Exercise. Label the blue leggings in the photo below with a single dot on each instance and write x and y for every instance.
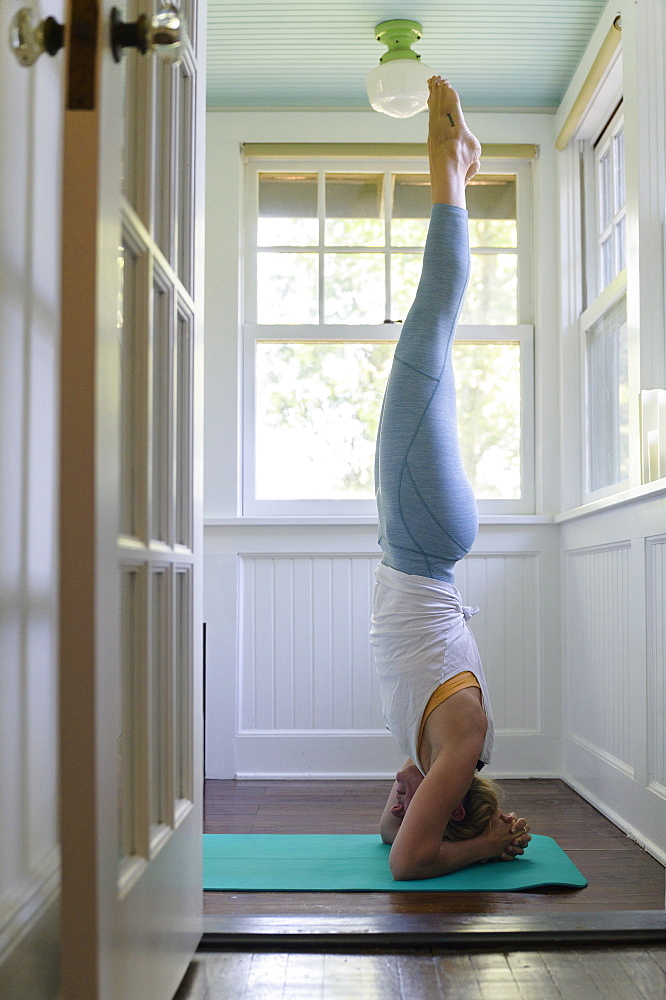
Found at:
(427, 512)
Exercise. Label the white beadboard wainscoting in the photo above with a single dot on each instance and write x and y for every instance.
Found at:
(614, 601)
(291, 688)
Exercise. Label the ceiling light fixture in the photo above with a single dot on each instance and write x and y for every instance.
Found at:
(398, 86)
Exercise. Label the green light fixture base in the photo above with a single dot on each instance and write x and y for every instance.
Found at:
(399, 36)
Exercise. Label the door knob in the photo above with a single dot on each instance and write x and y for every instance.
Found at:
(162, 34)
(28, 40)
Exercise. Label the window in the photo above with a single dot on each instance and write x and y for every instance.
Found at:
(333, 258)
(603, 325)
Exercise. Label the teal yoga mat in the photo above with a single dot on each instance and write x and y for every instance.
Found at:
(359, 863)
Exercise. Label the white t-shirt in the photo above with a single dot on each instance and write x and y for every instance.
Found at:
(421, 639)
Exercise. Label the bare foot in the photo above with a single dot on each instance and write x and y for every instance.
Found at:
(454, 150)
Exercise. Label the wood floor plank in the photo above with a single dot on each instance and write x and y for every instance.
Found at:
(532, 976)
(360, 977)
(574, 973)
(194, 984)
(227, 974)
(417, 978)
(645, 973)
(457, 977)
(306, 979)
(266, 977)
(659, 956)
(611, 974)
(494, 977)
(612, 978)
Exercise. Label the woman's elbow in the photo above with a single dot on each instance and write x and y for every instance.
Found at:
(401, 872)
(407, 866)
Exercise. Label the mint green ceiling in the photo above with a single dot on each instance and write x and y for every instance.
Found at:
(316, 53)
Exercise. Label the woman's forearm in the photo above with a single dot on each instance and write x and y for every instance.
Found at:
(389, 826)
(450, 857)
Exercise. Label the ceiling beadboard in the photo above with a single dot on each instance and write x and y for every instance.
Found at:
(316, 53)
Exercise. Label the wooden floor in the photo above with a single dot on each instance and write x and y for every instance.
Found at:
(621, 875)
(599, 974)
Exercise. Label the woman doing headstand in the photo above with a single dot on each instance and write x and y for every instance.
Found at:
(439, 817)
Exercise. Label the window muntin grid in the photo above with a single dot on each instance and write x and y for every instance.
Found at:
(330, 217)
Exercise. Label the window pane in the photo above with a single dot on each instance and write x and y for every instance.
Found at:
(287, 287)
(607, 271)
(354, 210)
(620, 243)
(482, 232)
(409, 232)
(405, 274)
(132, 389)
(162, 374)
(605, 192)
(491, 206)
(493, 232)
(355, 288)
(608, 399)
(620, 196)
(491, 196)
(129, 753)
(488, 398)
(492, 294)
(159, 720)
(287, 210)
(318, 408)
(411, 209)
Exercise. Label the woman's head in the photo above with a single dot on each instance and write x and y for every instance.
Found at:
(478, 806)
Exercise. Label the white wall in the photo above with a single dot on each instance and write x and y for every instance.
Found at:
(614, 587)
(30, 126)
(290, 680)
(614, 570)
(291, 683)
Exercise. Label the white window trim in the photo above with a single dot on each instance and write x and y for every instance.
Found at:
(522, 333)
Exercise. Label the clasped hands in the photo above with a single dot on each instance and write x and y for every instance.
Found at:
(508, 835)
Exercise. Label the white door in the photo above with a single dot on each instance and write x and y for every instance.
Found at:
(130, 521)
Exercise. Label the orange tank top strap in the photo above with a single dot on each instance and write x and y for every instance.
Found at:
(459, 682)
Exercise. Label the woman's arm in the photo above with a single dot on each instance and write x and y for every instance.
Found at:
(505, 839)
(418, 850)
(406, 782)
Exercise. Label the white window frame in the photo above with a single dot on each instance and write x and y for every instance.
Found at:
(522, 332)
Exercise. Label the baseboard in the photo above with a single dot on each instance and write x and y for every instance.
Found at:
(368, 755)
(618, 796)
(376, 775)
(30, 958)
(657, 852)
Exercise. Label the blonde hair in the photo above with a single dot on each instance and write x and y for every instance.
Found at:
(481, 802)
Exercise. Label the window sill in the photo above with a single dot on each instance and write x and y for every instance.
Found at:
(654, 489)
(352, 520)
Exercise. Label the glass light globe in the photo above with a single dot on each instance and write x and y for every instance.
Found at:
(399, 87)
